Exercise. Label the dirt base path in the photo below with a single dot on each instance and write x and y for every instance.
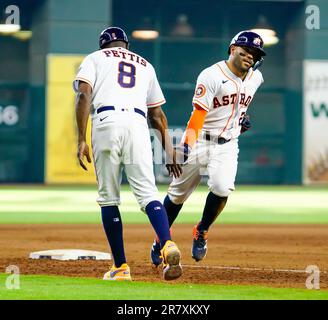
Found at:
(270, 255)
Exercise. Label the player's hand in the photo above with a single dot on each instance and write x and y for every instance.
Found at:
(174, 170)
(83, 150)
(245, 124)
(174, 167)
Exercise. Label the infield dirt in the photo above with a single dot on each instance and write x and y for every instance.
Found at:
(269, 255)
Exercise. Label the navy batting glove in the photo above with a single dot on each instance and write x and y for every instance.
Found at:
(182, 153)
(245, 124)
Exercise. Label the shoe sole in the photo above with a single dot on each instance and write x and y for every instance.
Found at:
(117, 279)
(173, 270)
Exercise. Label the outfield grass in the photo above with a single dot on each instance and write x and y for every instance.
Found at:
(253, 204)
(55, 288)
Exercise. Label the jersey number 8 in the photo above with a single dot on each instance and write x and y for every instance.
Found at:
(126, 79)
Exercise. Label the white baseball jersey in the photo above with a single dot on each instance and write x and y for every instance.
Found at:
(226, 97)
(120, 78)
(124, 85)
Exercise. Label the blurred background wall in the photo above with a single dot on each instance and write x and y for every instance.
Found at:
(37, 67)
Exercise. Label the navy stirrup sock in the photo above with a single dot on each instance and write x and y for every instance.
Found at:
(158, 218)
(172, 209)
(112, 223)
(213, 207)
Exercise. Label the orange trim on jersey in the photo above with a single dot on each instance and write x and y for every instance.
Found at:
(195, 101)
(85, 80)
(194, 126)
(237, 98)
(156, 104)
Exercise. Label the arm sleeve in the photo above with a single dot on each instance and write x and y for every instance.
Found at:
(86, 73)
(194, 126)
(205, 91)
(155, 95)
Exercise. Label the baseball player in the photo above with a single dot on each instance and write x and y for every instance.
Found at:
(120, 90)
(222, 96)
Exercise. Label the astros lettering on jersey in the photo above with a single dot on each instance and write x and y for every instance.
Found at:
(226, 97)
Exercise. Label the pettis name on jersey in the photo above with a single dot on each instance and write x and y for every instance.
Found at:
(125, 55)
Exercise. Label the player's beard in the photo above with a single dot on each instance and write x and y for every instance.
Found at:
(241, 65)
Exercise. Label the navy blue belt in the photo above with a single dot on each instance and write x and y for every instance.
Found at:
(218, 140)
(106, 108)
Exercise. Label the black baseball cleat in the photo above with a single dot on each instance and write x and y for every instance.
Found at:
(155, 254)
(199, 244)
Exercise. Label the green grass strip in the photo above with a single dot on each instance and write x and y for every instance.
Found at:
(248, 204)
(63, 288)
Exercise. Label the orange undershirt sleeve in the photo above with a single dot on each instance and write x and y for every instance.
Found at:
(195, 125)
